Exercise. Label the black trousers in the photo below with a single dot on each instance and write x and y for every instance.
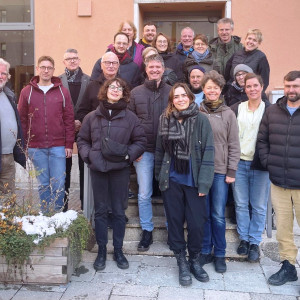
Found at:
(68, 180)
(110, 186)
(182, 203)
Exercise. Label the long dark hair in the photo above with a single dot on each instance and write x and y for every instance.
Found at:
(102, 95)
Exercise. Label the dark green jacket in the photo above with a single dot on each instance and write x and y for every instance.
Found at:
(222, 52)
(202, 153)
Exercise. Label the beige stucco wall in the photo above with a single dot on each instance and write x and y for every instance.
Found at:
(57, 27)
(279, 22)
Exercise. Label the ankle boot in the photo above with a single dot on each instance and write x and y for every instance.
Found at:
(120, 259)
(185, 277)
(196, 268)
(287, 273)
(100, 261)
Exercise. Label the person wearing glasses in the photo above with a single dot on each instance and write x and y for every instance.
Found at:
(76, 82)
(47, 119)
(111, 137)
(11, 137)
(129, 70)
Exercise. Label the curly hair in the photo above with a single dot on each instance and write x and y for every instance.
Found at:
(102, 95)
(215, 77)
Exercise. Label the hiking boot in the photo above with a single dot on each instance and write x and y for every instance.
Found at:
(286, 273)
(146, 241)
(196, 268)
(254, 254)
(100, 261)
(205, 259)
(243, 248)
(220, 264)
(120, 259)
(185, 277)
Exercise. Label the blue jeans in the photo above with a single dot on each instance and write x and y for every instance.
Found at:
(215, 226)
(144, 171)
(250, 187)
(50, 165)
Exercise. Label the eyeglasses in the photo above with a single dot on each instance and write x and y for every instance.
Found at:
(3, 74)
(162, 42)
(240, 74)
(72, 59)
(108, 63)
(43, 68)
(115, 88)
(200, 44)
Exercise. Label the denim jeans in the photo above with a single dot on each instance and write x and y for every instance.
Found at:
(50, 165)
(144, 171)
(215, 226)
(250, 187)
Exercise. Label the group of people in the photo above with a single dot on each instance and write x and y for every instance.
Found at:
(168, 115)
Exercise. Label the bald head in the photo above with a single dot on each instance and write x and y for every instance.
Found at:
(110, 65)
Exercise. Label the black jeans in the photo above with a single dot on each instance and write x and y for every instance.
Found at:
(68, 180)
(182, 203)
(113, 186)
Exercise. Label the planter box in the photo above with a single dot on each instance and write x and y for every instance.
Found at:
(54, 265)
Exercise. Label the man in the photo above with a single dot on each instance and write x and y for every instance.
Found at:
(47, 119)
(149, 34)
(185, 46)
(11, 137)
(76, 82)
(129, 70)
(196, 74)
(148, 101)
(224, 45)
(279, 151)
(109, 70)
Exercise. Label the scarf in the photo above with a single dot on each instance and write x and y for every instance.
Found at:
(115, 108)
(180, 49)
(74, 76)
(237, 87)
(212, 106)
(121, 56)
(198, 56)
(177, 137)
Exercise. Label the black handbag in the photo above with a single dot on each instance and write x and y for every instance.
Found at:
(113, 151)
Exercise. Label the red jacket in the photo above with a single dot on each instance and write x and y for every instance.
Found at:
(47, 119)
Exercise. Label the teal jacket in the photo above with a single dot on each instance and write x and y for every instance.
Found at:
(202, 153)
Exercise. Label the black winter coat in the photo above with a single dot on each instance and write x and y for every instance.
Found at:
(279, 145)
(125, 128)
(172, 62)
(255, 59)
(129, 71)
(19, 149)
(148, 102)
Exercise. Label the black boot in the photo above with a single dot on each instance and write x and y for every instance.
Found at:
(196, 268)
(287, 273)
(185, 277)
(120, 259)
(100, 261)
(146, 241)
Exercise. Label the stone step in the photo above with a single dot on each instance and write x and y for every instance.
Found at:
(133, 230)
(157, 207)
(160, 249)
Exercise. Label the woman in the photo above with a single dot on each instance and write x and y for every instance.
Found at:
(227, 153)
(250, 56)
(110, 138)
(135, 50)
(200, 56)
(251, 188)
(184, 141)
(163, 45)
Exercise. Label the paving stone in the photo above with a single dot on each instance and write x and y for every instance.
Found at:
(159, 261)
(113, 278)
(266, 261)
(117, 297)
(111, 267)
(269, 270)
(237, 266)
(216, 295)
(271, 297)
(210, 269)
(45, 288)
(247, 282)
(135, 290)
(88, 291)
(180, 293)
(34, 295)
(286, 289)
(212, 284)
(84, 272)
(7, 291)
